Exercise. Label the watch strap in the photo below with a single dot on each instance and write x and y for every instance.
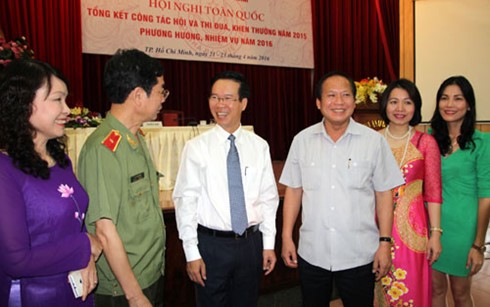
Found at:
(481, 249)
(386, 239)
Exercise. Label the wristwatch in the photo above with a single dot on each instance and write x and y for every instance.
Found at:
(481, 249)
(386, 239)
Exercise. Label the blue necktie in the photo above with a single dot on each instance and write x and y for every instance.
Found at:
(239, 221)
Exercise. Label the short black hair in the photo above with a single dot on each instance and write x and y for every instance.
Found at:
(413, 93)
(127, 70)
(319, 84)
(243, 90)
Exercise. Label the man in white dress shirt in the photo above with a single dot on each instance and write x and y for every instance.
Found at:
(341, 174)
(226, 266)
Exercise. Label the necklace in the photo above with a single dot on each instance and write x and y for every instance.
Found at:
(454, 143)
(387, 131)
(406, 135)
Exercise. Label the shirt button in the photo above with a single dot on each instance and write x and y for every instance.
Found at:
(332, 187)
(332, 229)
(334, 166)
(332, 208)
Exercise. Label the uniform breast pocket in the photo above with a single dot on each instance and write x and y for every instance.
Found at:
(359, 174)
(140, 198)
(139, 187)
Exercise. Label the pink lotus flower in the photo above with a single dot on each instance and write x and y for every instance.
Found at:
(65, 190)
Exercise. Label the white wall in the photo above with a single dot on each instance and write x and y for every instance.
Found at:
(452, 37)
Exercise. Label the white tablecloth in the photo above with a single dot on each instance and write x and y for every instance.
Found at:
(164, 143)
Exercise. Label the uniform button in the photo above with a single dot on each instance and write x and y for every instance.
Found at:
(332, 187)
(332, 208)
(332, 229)
(334, 166)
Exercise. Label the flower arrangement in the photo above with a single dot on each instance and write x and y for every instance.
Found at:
(369, 89)
(83, 118)
(14, 49)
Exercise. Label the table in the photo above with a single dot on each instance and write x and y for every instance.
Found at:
(164, 143)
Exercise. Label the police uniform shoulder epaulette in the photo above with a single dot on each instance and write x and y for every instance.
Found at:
(112, 140)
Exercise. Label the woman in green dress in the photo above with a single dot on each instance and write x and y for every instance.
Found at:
(465, 210)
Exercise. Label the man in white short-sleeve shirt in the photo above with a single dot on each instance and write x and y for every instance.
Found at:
(340, 173)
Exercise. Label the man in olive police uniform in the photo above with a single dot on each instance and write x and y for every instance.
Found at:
(116, 170)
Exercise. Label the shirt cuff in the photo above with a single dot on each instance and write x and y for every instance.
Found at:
(268, 242)
(192, 253)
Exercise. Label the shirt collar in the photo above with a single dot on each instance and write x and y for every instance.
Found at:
(223, 134)
(352, 128)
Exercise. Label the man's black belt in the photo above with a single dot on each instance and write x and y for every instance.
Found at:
(227, 234)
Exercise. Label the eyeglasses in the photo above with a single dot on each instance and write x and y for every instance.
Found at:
(165, 93)
(226, 99)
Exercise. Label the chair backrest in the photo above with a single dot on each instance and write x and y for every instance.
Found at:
(171, 117)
